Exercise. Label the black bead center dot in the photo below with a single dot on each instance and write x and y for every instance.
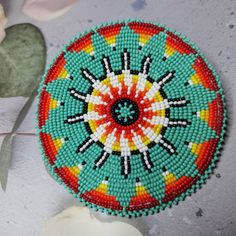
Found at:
(125, 111)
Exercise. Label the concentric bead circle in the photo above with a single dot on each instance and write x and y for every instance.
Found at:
(125, 111)
(131, 118)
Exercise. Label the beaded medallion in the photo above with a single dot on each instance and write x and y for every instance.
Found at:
(131, 118)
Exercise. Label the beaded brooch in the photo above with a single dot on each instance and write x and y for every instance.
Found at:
(131, 118)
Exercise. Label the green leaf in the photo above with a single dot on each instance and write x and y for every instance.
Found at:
(5, 151)
(22, 60)
(5, 158)
(24, 111)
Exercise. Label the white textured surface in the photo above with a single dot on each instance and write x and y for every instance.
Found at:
(32, 196)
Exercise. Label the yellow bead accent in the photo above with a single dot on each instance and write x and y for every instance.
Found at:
(102, 188)
(89, 49)
(111, 40)
(58, 143)
(204, 115)
(169, 51)
(170, 178)
(75, 170)
(143, 39)
(158, 97)
(63, 74)
(196, 148)
(140, 190)
(53, 104)
(195, 79)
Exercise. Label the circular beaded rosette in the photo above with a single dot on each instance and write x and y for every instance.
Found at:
(131, 118)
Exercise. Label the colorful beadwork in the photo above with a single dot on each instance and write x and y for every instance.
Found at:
(131, 118)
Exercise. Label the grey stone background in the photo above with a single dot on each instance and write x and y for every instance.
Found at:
(32, 196)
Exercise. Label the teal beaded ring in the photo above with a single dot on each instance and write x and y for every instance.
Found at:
(131, 118)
